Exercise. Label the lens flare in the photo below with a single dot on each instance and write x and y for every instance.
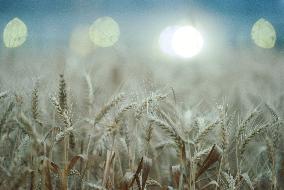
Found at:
(80, 43)
(263, 34)
(104, 32)
(165, 40)
(15, 33)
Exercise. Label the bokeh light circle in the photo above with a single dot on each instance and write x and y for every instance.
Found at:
(80, 43)
(104, 32)
(263, 34)
(15, 33)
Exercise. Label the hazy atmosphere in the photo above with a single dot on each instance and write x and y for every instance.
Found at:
(142, 94)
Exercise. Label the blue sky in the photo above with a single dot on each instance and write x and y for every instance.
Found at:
(55, 19)
(243, 8)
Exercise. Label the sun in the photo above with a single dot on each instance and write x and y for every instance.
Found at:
(187, 41)
(181, 41)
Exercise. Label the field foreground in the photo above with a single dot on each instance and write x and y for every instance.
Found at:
(127, 126)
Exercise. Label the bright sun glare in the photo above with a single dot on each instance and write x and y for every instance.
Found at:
(183, 41)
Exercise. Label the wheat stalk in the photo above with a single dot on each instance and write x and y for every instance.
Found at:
(115, 100)
(205, 132)
(35, 104)
(249, 138)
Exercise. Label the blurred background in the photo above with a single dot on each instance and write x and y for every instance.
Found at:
(52, 22)
(228, 63)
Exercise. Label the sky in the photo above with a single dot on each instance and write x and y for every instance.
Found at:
(53, 20)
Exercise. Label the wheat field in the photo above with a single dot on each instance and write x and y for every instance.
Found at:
(126, 125)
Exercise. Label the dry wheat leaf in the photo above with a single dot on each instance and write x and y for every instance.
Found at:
(263, 34)
(104, 32)
(15, 33)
